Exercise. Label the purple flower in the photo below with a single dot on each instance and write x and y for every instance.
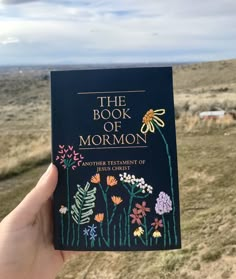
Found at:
(163, 204)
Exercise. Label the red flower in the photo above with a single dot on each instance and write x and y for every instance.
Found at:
(142, 209)
(157, 223)
(136, 217)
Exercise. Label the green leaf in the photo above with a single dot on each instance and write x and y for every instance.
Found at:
(82, 209)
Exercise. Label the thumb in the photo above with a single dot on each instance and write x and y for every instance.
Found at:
(27, 210)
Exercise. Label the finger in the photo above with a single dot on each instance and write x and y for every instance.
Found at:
(27, 210)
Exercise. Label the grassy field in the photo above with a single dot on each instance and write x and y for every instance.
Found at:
(206, 153)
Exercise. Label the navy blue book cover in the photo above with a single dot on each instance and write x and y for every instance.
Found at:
(114, 144)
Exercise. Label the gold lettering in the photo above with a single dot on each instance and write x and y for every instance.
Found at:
(143, 139)
(118, 141)
(96, 114)
(94, 140)
(85, 142)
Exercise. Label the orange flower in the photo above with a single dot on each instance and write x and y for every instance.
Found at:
(99, 217)
(116, 200)
(96, 178)
(111, 181)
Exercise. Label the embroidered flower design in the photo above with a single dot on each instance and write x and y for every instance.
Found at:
(86, 232)
(116, 200)
(136, 182)
(156, 234)
(139, 231)
(92, 232)
(157, 223)
(99, 217)
(136, 217)
(68, 157)
(163, 204)
(111, 181)
(142, 209)
(96, 178)
(63, 209)
(150, 119)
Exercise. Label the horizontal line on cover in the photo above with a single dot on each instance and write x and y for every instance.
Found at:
(114, 147)
(112, 92)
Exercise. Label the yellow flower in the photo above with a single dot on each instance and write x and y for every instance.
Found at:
(99, 217)
(96, 178)
(116, 200)
(111, 181)
(151, 119)
(156, 234)
(139, 231)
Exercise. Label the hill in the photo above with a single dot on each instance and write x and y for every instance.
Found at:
(206, 153)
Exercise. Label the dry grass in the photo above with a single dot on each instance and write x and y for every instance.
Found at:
(193, 124)
(206, 152)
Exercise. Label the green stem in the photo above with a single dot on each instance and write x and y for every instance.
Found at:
(156, 240)
(73, 234)
(171, 180)
(68, 204)
(126, 187)
(79, 215)
(114, 235)
(128, 219)
(86, 241)
(135, 241)
(137, 192)
(169, 237)
(101, 229)
(107, 214)
(150, 241)
(99, 241)
(78, 232)
(142, 240)
(125, 222)
(141, 197)
(164, 226)
(120, 233)
(113, 213)
(145, 230)
(62, 229)
(150, 230)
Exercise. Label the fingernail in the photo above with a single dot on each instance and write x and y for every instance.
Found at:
(48, 169)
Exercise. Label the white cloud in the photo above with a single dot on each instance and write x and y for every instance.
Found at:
(9, 40)
(10, 2)
(124, 30)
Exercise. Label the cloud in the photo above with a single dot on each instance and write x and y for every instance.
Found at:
(118, 31)
(12, 2)
(9, 40)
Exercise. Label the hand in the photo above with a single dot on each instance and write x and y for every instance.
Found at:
(26, 249)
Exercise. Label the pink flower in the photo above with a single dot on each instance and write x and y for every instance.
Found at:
(136, 217)
(68, 157)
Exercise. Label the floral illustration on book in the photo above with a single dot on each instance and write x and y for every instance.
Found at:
(116, 211)
(95, 229)
(151, 122)
(68, 158)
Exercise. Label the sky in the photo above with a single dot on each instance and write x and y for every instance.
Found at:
(116, 31)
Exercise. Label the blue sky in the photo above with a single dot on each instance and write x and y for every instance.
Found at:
(102, 31)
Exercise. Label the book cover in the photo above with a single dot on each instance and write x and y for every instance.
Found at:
(114, 144)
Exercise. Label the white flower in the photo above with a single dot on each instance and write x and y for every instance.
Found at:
(136, 182)
(63, 209)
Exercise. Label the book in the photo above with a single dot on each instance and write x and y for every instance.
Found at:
(114, 144)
